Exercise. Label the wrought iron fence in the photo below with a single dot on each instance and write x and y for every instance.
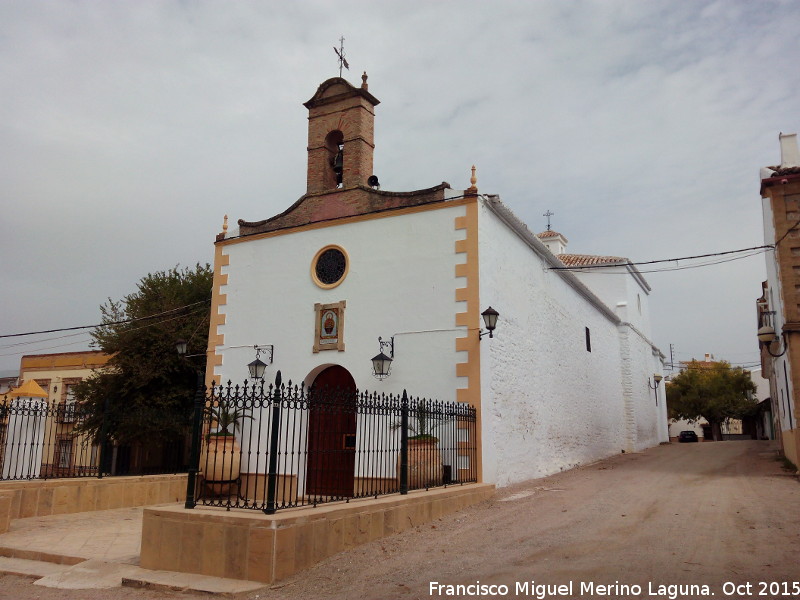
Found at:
(41, 439)
(283, 445)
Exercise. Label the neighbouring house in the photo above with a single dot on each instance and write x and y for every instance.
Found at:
(38, 437)
(349, 271)
(778, 308)
(765, 425)
(8, 381)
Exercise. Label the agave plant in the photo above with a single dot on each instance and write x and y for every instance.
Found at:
(227, 417)
(421, 423)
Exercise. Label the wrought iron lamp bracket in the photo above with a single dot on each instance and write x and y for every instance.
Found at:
(382, 364)
(782, 352)
(389, 345)
(267, 350)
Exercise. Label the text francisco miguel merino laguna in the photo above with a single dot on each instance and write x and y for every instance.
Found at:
(542, 591)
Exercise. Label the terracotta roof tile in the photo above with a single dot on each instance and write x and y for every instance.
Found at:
(547, 234)
(582, 260)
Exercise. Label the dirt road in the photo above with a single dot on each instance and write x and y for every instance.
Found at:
(720, 515)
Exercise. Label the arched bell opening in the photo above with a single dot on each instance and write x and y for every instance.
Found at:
(334, 143)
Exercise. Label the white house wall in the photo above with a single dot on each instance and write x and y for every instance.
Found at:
(548, 403)
(781, 367)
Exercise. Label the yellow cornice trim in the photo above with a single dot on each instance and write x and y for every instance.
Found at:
(347, 220)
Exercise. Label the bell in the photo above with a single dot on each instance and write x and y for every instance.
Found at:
(338, 162)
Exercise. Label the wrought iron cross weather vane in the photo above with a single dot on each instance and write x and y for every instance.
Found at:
(340, 54)
(548, 214)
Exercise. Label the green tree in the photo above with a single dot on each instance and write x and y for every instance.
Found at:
(715, 391)
(145, 394)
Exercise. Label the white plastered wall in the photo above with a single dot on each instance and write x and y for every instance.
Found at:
(401, 282)
(548, 403)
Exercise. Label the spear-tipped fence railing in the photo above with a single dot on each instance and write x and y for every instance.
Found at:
(45, 439)
(270, 447)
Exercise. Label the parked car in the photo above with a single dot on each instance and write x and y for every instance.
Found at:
(687, 436)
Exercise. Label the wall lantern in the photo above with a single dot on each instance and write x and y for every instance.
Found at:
(767, 337)
(490, 320)
(258, 366)
(382, 364)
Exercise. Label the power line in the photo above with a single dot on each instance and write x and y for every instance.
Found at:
(788, 231)
(705, 264)
(754, 250)
(190, 313)
(122, 322)
(60, 337)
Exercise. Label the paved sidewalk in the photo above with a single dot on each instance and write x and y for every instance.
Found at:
(108, 535)
(95, 550)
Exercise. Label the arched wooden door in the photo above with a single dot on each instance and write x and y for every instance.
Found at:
(331, 434)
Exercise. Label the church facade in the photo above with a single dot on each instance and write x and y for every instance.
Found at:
(567, 376)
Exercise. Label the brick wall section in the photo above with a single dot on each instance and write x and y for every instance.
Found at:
(786, 213)
(361, 200)
(338, 106)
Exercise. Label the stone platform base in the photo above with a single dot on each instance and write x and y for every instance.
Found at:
(246, 544)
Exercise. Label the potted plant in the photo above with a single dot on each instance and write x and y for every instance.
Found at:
(424, 458)
(221, 464)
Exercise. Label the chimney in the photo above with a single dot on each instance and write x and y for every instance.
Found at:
(790, 154)
(708, 357)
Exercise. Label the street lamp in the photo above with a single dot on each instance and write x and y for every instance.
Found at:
(490, 320)
(382, 364)
(657, 379)
(767, 337)
(258, 366)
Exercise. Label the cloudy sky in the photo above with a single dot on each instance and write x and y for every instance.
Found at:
(128, 129)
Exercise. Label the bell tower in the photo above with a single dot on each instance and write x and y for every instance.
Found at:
(341, 132)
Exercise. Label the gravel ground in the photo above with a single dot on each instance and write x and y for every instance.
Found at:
(719, 514)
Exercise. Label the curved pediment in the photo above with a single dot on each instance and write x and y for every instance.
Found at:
(340, 204)
(335, 89)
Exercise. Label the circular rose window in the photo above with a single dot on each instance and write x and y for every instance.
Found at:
(329, 267)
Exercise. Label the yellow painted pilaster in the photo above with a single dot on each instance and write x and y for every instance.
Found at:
(470, 318)
(218, 299)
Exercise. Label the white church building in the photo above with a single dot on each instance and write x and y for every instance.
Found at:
(568, 376)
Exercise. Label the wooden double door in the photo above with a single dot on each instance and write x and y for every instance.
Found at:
(330, 466)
